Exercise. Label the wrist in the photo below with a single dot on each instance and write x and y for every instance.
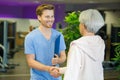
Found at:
(48, 69)
(59, 61)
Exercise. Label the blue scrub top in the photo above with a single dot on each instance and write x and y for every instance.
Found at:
(44, 50)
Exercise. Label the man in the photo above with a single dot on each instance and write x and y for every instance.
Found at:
(40, 46)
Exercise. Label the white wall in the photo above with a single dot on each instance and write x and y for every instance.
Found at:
(112, 17)
(23, 24)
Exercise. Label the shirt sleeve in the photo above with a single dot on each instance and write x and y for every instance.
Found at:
(62, 43)
(59, 44)
(28, 45)
(74, 64)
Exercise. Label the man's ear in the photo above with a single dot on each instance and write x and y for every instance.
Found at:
(39, 18)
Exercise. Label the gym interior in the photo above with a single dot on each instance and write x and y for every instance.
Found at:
(17, 17)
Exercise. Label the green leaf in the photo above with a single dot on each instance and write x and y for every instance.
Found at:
(71, 31)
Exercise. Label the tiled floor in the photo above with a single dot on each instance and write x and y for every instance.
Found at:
(111, 74)
(21, 72)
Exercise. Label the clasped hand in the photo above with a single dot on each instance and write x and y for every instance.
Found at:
(54, 71)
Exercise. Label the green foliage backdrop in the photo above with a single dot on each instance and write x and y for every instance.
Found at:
(71, 30)
(117, 56)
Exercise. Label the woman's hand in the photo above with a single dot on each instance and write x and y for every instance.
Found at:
(54, 71)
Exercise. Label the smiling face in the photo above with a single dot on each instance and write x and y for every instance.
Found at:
(47, 18)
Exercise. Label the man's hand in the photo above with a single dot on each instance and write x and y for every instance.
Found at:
(55, 60)
(54, 71)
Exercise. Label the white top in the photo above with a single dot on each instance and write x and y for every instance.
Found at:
(85, 59)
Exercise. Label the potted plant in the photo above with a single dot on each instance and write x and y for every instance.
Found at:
(71, 31)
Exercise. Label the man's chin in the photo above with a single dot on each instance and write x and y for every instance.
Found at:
(49, 26)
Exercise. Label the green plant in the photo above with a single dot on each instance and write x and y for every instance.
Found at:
(117, 55)
(71, 31)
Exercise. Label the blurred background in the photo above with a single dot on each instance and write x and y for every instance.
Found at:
(18, 18)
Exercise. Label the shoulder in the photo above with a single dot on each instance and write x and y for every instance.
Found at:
(32, 34)
(76, 41)
(56, 33)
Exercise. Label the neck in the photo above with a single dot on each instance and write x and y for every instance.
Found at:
(88, 34)
(46, 32)
(45, 29)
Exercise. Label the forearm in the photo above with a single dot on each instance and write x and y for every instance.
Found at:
(62, 57)
(61, 60)
(37, 65)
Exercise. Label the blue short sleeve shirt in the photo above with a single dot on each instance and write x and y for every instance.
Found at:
(44, 50)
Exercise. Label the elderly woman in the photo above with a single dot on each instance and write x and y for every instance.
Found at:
(86, 54)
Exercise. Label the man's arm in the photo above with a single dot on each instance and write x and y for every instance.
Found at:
(59, 59)
(39, 66)
(35, 64)
(62, 57)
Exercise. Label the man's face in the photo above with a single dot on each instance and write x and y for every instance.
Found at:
(47, 18)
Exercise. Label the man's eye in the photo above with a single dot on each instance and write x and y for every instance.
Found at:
(52, 16)
(47, 17)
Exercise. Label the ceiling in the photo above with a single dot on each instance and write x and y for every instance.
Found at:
(29, 2)
(18, 6)
(70, 4)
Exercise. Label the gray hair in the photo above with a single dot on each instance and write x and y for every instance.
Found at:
(92, 20)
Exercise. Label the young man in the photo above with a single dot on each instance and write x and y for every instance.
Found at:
(40, 46)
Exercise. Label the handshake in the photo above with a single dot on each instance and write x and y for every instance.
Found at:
(56, 72)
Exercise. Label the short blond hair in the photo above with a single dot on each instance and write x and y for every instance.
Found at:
(41, 8)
